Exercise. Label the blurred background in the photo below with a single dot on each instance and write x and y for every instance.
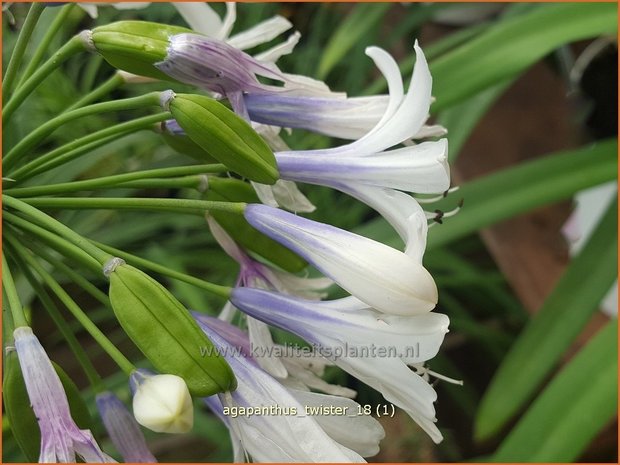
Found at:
(528, 93)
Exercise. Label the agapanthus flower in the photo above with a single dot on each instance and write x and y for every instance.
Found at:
(255, 274)
(382, 277)
(224, 69)
(289, 433)
(367, 170)
(344, 328)
(61, 439)
(123, 429)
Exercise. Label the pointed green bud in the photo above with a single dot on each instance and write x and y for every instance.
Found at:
(21, 417)
(225, 136)
(135, 46)
(165, 332)
(182, 144)
(235, 190)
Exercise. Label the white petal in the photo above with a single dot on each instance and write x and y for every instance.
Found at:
(200, 17)
(229, 20)
(283, 194)
(422, 168)
(90, 8)
(288, 196)
(130, 5)
(309, 288)
(360, 433)
(228, 312)
(435, 130)
(225, 241)
(259, 34)
(274, 53)
(298, 374)
(389, 68)
(262, 348)
(381, 276)
(265, 194)
(401, 210)
(407, 120)
(400, 386)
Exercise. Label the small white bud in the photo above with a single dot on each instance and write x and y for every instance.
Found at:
(162, 403)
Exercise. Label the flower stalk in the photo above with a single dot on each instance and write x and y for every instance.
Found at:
(20, 47)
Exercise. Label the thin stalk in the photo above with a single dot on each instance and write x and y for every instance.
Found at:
(56, 226)
(118, 180)
(20, 47)
(170, 205)
(84, 320)
(74, 46)
(51, 308)
(8, 284)
(73, 275)
(53, 29)
(84, 145)
(104, 89)
(39, 134)
(222, 291)
(59, 244)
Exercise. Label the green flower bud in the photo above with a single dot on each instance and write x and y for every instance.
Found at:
(165, 332)
(184, 145)
(234, 190)
(225, 136)
(135, 46)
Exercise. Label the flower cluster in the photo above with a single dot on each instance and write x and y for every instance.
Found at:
(244, 375)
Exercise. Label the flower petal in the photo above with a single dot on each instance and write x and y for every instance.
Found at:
(381, 276)
(259, 34)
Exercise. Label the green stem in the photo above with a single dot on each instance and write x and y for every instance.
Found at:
(20, 47)
(119, 180)
(170, 205)
(104, 89)
(88, 367)
(83, 145)
(37, 136)
(56, 226)
(79, 315)
(222, 291)
(37, 56)
(19, 319)
(71, 274)
(59, 244)
(74, 46)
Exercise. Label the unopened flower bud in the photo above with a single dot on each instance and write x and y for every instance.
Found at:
(135, 46)
(162, 403)
(164, 331)
(225, 136)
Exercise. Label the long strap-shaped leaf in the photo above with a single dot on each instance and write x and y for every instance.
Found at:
(563, 315)
(512, 46)
(530, 185)
(578, 403)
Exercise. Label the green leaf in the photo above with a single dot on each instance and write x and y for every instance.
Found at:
(511, 46)
(577, 404)
(516, 190)
(225, 136)
(166, 333)
(563, 315)
(20, 415)
(363, 18)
